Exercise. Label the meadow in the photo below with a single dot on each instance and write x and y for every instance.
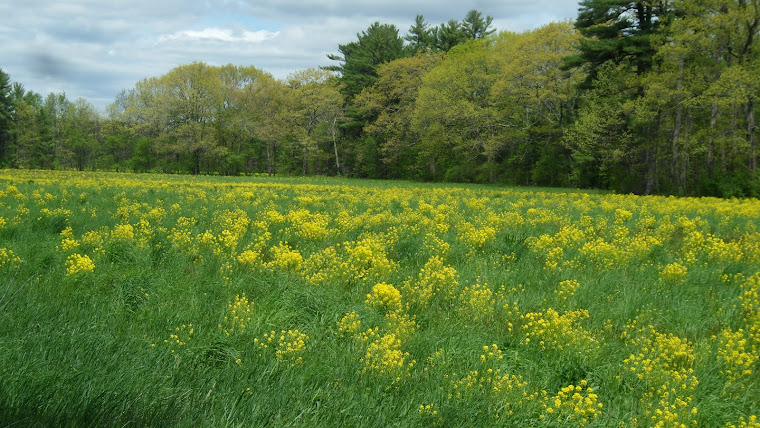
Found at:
(156, 300)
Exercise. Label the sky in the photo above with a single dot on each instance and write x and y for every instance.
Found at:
(93, 49)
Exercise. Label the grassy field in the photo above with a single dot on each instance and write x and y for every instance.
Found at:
(152, 300)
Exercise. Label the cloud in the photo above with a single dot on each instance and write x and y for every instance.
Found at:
(93, 49)
(222, 35)
(47, 65)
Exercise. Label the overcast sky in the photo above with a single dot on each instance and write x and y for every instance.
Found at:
(93, 48)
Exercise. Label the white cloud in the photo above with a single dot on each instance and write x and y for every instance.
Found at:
(93, 49)
(221, 34)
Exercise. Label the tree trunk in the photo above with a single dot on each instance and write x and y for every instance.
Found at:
(335, 145)
(305, 162)
(270, 159)
(711, 140)
(685, 152)
(734, 145)
(651, 170)
(751, 136)
(676, 142)
(649, 135)
(677, 125)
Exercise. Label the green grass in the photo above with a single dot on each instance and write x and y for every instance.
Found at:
(88, 349)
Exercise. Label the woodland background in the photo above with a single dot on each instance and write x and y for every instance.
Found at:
(640, 97)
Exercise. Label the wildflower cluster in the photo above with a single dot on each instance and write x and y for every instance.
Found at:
(288, 346)
(385, 357)
(68, 243)
(325, 267)
(8, 258)
(477, 302)
(309, 226)
(751, 422)
(674, 273)
(238, 316)
(349, 325)
(436, 246)
(368, 258)
(77, 264)
(750, 304)
(577, 404)
(435, 278)
(663, 366)
(233, 225)
(473, 237)
(285, 258)
(179, 337)
(384, 297)
(356, 261)
(566, 289)
(123, 233)
(401, 324)
(551, 331)
(249, 257)
(736, 357)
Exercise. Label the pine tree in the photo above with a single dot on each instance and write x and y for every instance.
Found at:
(379, 44)
(474, 26)
(6, 110)
(448, 35)
(420, 36)
(618, 31)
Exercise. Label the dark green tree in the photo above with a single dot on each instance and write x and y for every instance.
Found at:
(618, 31)
(448, 35)
(420, 35)
(6, 111)
(29, 143)
(474, 26)
(378, 44)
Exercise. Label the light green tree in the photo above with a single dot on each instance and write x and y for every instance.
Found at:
(455, 115)
(391, 102)
(318, 105)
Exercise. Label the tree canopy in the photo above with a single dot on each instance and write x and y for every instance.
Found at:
(643, 97)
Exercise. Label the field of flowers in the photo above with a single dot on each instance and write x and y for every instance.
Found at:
(157, 300)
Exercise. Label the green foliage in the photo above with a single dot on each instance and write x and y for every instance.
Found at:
(165, 300)
(494, 102)
(475, 26)
(618, 31)
(6, 110)
(420, 35)
(317, 105)
(643, 97)
(448, 34)
(378, 44)
(391, 101)
(670, 97)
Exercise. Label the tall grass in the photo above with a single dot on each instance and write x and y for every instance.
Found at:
(255, 301)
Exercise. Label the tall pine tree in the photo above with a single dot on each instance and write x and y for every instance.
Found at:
(6, 110)
(618, 31)
(378, 44)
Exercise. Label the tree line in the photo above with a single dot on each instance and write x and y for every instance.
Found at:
(642, 97)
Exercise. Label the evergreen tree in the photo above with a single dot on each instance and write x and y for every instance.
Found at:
(6, 110)
(618, 31)
(420, 35)
(448, 35)
(379, 44)
(474, 26)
